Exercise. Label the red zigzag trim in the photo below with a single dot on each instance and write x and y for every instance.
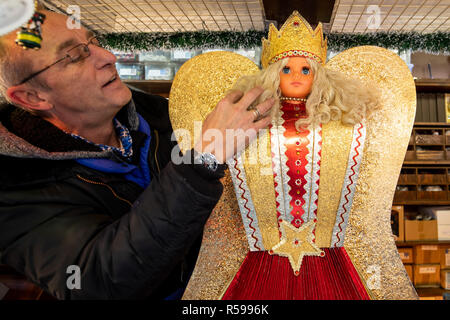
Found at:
(245, 206)
(351, 179)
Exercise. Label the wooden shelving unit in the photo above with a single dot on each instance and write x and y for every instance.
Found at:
(432, 85)
(159, 87)
(162, 87)
(426, 242)
(425, 292)
(423, 185)
(425, 176)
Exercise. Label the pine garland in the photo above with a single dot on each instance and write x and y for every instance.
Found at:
(438, 43)
(182, 40)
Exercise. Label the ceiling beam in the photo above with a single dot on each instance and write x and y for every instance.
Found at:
(314, 11)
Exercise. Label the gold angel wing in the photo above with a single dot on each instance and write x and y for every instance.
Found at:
(369, 241)
(198, 86)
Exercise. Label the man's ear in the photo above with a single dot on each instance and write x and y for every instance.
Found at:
(28, 98)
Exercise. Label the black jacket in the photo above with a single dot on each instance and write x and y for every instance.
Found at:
(128, 242)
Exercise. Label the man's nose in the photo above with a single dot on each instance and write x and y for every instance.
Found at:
(102, 57)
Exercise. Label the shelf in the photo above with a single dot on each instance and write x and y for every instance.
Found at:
(426, 162)
(420, 242)
(422, 203)
(431, 124)
(422, 85)
(432, 85)
(160, 87)
(431, 291)
(428, 145)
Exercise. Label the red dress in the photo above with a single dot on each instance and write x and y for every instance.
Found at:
(264, 276)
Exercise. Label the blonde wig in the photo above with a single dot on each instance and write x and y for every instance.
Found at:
(333, 95)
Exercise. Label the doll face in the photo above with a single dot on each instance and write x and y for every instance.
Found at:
(296, 78)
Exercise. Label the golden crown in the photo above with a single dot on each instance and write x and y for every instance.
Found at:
(295, 38)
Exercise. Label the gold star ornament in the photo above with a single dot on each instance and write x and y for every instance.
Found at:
(296, 243)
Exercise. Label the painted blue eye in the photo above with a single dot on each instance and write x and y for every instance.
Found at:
(286, 70)
(305, 70)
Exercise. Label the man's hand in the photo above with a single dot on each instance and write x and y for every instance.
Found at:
(230, 127)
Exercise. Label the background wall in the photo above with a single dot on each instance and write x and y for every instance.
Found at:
(440, 66)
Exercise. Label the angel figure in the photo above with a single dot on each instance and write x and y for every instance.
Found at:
(311, 218)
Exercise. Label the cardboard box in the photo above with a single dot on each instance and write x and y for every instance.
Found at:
(420, 230)
(442, 216)
(397, 223)
(427, 275)
(427, 254)
(445, 256)
(406, 254)
(447, 107)
(130, 71)
(443, 221)
(158, 72)
(445, 279)
(409, 271)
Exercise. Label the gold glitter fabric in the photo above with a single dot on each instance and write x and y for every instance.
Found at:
(369, 241)
(295, 38)
(262, 188)
(336, 142)
(198, 86)
(223, 249)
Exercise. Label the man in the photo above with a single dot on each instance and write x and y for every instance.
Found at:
(87, 182)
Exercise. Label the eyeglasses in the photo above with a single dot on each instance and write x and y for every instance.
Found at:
(79, 52)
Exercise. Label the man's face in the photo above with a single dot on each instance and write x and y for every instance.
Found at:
(83, 88)
(296, 78)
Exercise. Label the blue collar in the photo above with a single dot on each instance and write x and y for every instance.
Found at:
(139, 174)
(126, 142)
